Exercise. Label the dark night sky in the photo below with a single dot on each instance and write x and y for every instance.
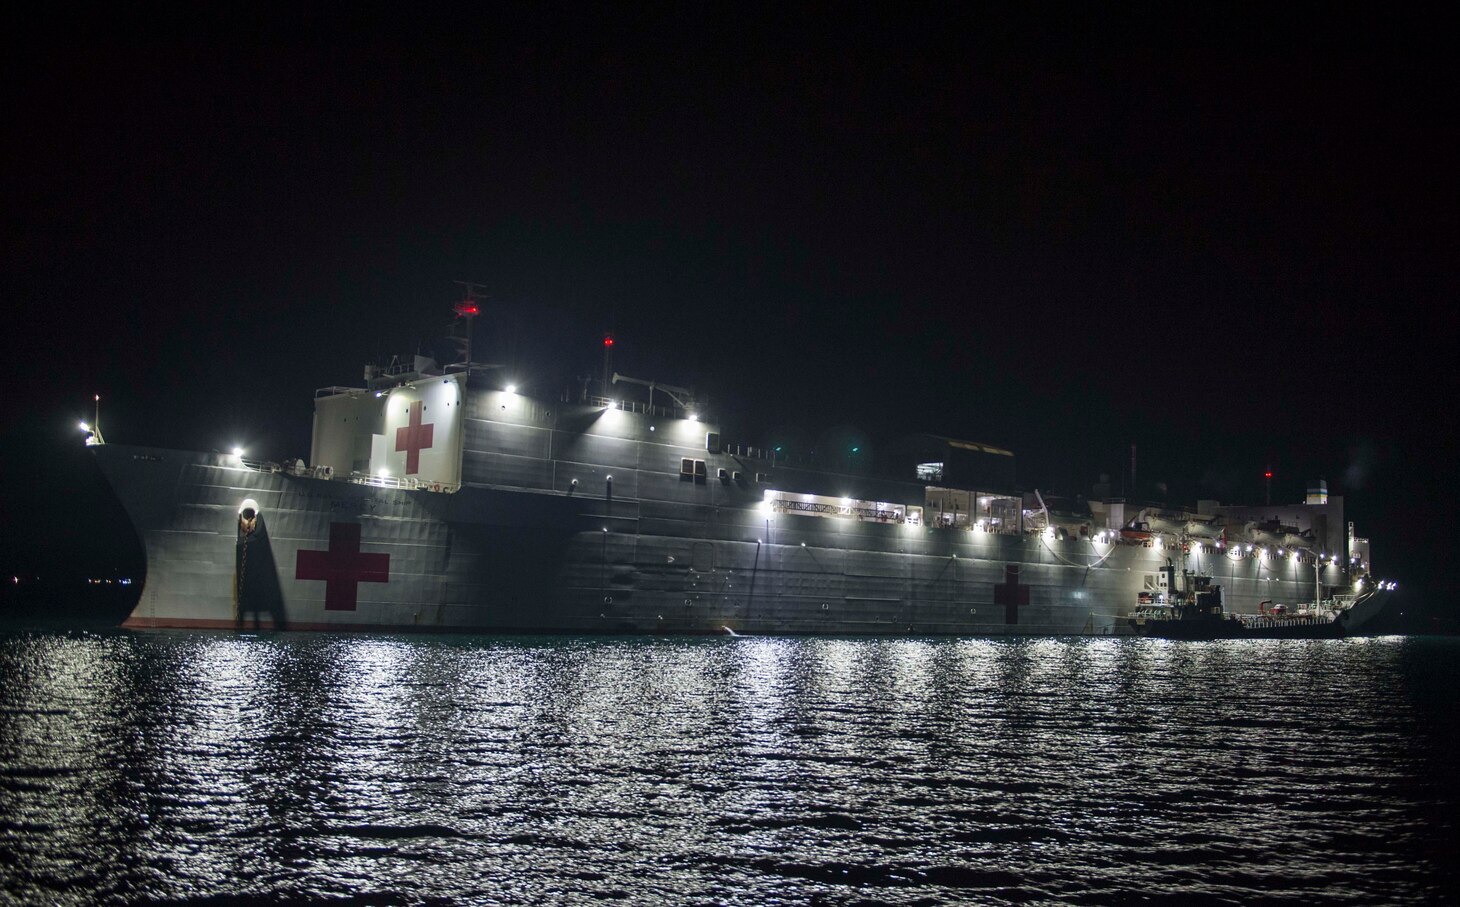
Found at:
(1229, 242)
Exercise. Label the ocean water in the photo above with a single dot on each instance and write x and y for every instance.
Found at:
(162, 767)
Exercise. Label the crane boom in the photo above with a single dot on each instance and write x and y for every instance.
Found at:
(681, 395)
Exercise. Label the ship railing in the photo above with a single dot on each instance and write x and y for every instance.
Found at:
(950, 523)
(335, 390)
(634, 406)
(1262, 621)
(769, 455)
(234, 461)
(297, 468)
(869, 514)
(745, 452)
(288, 467)
(408, 483)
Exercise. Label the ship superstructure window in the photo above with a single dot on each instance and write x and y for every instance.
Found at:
(930, 472)
(956, 508)
(840, 508)
(1153, 589)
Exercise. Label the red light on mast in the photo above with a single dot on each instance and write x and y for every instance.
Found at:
(467, 309)
(607, 342)
(1267, 475)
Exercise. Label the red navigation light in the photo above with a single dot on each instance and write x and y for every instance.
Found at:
(467, 308)
(608, 341)
(1267, 475)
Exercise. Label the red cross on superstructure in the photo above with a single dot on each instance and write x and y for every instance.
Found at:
(343, 567)
(1010, 594)
(413, 439)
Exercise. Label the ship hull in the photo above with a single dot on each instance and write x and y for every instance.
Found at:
(341, 555)
(1235, 629)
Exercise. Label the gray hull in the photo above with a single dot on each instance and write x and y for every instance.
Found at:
(340, 555)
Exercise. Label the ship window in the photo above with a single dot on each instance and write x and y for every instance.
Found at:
(686, 466)
(930, 472)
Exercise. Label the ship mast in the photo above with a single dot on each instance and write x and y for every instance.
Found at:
(469, 308)
(93, 431)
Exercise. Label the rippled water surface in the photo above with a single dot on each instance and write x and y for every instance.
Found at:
(167, 767)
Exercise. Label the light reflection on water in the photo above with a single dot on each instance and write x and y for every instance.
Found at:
(172, 766)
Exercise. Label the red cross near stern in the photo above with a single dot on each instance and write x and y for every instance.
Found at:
(413, 439)
(1010, 594)
(343, 567)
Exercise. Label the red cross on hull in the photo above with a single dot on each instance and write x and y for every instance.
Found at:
(343, 567)
(1010, 594)
(414, 438)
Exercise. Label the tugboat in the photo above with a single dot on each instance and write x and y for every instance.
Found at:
(1193, 610)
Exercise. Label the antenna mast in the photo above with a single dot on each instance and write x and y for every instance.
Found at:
(93, 431)
(469, 308)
